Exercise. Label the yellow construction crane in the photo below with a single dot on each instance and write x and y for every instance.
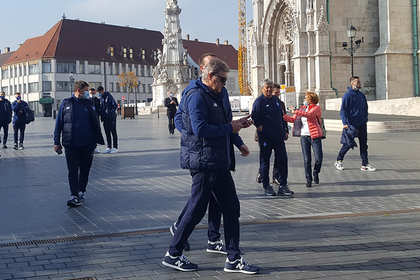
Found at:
(244, 85)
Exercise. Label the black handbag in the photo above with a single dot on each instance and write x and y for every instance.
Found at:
(321, 124)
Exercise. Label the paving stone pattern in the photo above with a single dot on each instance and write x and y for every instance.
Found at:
(142, 188)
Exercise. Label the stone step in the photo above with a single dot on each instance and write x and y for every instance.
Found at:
(378, 126)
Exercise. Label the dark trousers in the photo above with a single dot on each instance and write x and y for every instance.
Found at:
(214, 218)
(362, 145)
(204, 185)
(79, 161)
(306, 142)
(280, 163)
(5, 127)
(171, 124)
(110, 127)
(19, 126)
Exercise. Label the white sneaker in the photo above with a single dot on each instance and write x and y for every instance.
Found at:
(114, 151)
(96, 151)
(339, 165)
(368, 167)
(107, 151)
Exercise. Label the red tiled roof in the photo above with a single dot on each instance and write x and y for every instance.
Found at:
(225, 52)
(74, 39)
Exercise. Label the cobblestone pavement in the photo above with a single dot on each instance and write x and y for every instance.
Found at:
(353, 225)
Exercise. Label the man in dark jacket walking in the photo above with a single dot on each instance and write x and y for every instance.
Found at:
(207, 139)
(77, 129)
(20, 108)
(109, 118)
(354, 112)
(96, 102)
(267, 114)
(5, 117)
(171, 103)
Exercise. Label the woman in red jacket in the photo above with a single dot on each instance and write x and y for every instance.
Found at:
(307, 126)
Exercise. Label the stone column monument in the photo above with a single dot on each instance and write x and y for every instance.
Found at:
(172, 72)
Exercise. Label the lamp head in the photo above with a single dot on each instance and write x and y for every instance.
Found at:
(351, 32)
(344, 44)
(358, 42)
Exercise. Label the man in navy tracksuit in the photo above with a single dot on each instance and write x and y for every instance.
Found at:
(109, 118)
(78, 127)
(19, 107)
(5, 117)
(267, 114)
(354, 112)
(214, 243)
(207, 139)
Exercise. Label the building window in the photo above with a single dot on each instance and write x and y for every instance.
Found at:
(20, 70)
(150, 87)
(5, 89)
(20, 88)
(109, 72)
(111, 86)
(82, 68)
(5, 74)
(33, 69)
(64, 86)
(15, 70)
(16, 89)
(24, 88)
(143, 54)
(66, 68)
(95, 85)
(46, 67)
(24, 70)
(117, 87)
(155, 55)
(33, 87)
(94, 69)
(111, 51)
(131, 53)
(116, 69)
(46, 86)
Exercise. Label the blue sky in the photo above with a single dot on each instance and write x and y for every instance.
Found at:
(201, 19)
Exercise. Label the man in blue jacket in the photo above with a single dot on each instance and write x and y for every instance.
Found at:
(207, 139)
(5, 117)
(77, 129)
(354, 111)
(19, 107)
(214, 243)
(109, 118)
(267, 114)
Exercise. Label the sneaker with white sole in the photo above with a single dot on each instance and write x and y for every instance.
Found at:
(81, 196)
(107, 151)
(216, 247)
(180, 263)
(74, 201)
(339, 165)
(241, 265)
(114, 151)
(96, 151)
(368, 167)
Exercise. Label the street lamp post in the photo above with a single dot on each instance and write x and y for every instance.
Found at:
(351, 33)
(71, 78)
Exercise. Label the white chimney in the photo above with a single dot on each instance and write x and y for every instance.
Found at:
(217, 41)
(7, 49)
(187, 37)
(226, 42)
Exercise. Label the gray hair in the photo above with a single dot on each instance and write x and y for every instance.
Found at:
(266, 82)
(215, 66)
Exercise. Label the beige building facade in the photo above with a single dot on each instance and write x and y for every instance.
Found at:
(300, 43)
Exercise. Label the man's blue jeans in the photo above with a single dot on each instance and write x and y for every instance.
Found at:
(306, 142)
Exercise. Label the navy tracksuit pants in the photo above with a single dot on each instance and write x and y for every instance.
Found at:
(281, 164)
(204, 186)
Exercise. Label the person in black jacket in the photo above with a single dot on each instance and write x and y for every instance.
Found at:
(77, 129)
(5, 117)
(109, 118)
(20, 108)
(96, 102)
(171, 103)
(267, 114)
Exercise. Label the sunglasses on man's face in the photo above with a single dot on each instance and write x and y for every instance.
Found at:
(222, 79)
